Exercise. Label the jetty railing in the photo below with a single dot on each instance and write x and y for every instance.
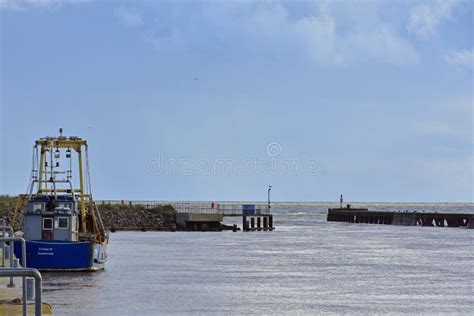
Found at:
(11, 241)
(145, 203)
(32, 273)
(4, 229)
(219, 208)
(206, 207)
(238, 210)
(191, 207)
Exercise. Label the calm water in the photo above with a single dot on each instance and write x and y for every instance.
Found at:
(306, 266)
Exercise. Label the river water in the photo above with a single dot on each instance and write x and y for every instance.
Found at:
(305, 266)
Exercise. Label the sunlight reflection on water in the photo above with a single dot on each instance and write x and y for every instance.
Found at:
(307, 266)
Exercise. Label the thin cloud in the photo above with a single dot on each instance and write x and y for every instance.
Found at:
(436, 128)
(462, 58)
(425, 18)
(453, 119)
(24, 4)
(272, 30)
(129, 17)
(450, 172)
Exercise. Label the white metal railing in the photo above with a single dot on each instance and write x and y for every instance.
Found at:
(14, 266)
(194, 207)
(27, 272)
(145, 203)
(5, 229)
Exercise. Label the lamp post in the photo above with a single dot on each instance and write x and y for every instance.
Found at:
(269, 205)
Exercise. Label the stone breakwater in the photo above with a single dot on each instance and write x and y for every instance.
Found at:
(116, 217)
(128, 217)
(125, 217)
(7, 207)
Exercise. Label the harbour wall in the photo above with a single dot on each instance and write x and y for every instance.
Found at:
(126, 217)
(364, 216)
(117, 216)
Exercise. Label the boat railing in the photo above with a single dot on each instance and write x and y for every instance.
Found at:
(101, 223)
(18, 213)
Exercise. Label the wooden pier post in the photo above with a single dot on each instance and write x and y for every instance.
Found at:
(259, 223)
(426, 222)
(270, 222)
(245, 224)
(252, 223)
(454, 222)
(265, 223)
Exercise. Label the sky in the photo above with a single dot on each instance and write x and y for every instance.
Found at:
(216, 100)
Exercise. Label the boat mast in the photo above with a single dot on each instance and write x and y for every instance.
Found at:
(40, 173)
(47, 182)
(81, 185)
(49, 144)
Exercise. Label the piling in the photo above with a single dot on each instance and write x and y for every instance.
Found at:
(245, 224)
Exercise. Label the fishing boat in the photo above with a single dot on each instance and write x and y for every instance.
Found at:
(58, 217)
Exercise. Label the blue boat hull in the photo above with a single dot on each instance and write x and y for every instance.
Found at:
(63, 255)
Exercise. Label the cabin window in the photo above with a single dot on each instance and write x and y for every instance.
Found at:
(38, 207)
(47, 224)
(64, 205)
(63, 222)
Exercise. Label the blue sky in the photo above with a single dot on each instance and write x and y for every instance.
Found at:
(216, 100)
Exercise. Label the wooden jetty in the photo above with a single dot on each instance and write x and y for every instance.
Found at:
(363, 215)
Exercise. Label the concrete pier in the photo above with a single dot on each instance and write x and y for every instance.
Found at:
(362, 215)
(199, 221)
(208, 217)
(11, 297)
(189, 216)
